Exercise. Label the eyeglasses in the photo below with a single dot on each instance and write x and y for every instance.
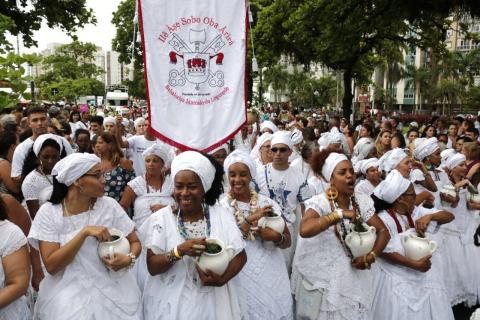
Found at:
(96, 175)
(281, 150)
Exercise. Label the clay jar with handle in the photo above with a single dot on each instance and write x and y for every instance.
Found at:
(110, 248)
(361, 243)
(275, 223)
(216, 262)
(417, 248)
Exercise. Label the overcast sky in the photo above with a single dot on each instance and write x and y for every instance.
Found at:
(101, 34)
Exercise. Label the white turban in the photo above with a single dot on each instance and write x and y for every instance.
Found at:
(37, 145)
(138, 122)
(296, 136)
(391, 159)
(455, 160)
(363, 165)
(330, 163)
(268, 125)
(125, 123)
(392, 187)
(223, 146)
(101, 114)
(110, 120)
(72, 167)
(196, 162)
(362, 148)
(240, 156)
(282, 137)
(425, 147)
(160, 150)
(445, 154)
(255, 153)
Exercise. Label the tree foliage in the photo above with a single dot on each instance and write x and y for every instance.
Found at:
(12, 77)
(71, 71)
(347, 35)
(23, 17)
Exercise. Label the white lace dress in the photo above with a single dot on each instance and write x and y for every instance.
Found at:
(322, 268)
(178, 292)
(405, 293)
(11, 240)
(84, 289)
(461, 263)
(37, 186)
(263, 284)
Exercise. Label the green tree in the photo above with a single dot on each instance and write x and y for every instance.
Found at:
(346, 35)
(276, 77)
(71, 71)
(22, 17)
(12, 76)
(122, 43)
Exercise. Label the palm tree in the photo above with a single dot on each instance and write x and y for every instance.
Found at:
(276, 77)
(394, 73)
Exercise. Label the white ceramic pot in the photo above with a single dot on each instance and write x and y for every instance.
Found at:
(361, 243)
(416, 248)
(449, 190)
(474, 197)
(109, 248)
(275, 223)
(216, 262)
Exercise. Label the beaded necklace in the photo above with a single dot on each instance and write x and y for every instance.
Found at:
(239, 218)
(40, 169)
(181, 225)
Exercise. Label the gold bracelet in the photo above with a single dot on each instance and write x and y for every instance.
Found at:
(373, 254)
(177, 254)
(335, 217)
(365, 262)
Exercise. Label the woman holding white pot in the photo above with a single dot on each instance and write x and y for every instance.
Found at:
(177, 288)
(327, 281)
(263, 284)
(403, 288)
(67, 231)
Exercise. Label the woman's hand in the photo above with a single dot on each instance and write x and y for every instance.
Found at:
(422, 224)
(192, 247)
(349, 214)
(473, 205)
(210, 278)
(117, 262)
(359, 262)
(257, 214)
(449, 199)
(101, 233)
(156, 207)
(461, 184)
(422, 265)
(37, 277)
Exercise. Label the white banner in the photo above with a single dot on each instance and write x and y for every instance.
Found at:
(194, 54)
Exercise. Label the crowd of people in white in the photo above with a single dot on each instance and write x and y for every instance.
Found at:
(297, 219)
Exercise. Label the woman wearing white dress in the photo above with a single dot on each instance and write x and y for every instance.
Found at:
(176, 287)
(407, 288)
(14, 270)
(327, 282)
(148, 193)
(263, 284)
(461, 264)
(67, 231)
(369, 169)
(37, 187)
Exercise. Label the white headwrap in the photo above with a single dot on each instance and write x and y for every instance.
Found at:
(296, 136)
(268, 125)
(282, 137)
(101, 114)
(425, 147)
(391, 159)
(255, 153)
(72, 167)
(125, 122)
(160, 150)
(445, 154)
(240, 156)
(330, 163)
(196, 162)
(223, 146)
(138, 122)
(363, 147)
(110, 120)
(363, 165)
(392, 187)
(455, 160)
(37, 145)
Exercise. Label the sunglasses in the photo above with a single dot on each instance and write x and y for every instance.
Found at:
(281, 150)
